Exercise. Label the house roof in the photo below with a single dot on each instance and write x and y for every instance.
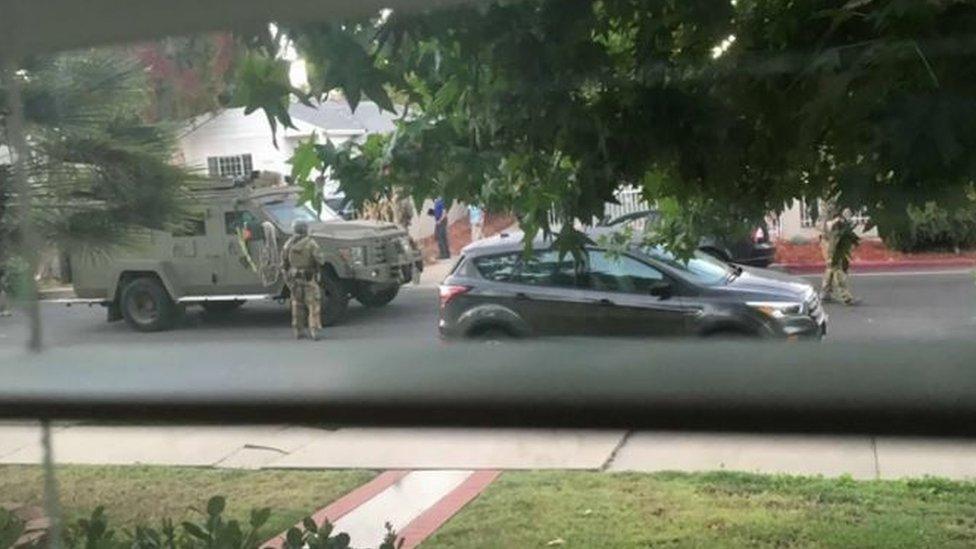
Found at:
(336, 116)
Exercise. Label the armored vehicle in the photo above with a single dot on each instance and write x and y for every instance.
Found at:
(230, 254)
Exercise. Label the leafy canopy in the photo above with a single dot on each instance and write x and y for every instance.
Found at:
(728, 110)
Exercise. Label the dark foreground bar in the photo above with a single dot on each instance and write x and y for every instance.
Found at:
(905, 388)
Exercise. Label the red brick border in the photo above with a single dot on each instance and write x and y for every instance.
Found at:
(345, 504)
(435, 516)
(878, 266)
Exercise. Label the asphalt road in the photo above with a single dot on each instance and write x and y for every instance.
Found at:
(913, 306)
(412, 315)
(924, 306)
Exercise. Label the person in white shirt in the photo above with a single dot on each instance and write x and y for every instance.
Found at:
(476, 216)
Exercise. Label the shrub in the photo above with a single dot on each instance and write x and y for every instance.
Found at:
(212, 532)
(933, 228)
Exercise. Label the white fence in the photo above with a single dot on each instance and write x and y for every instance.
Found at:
(629, 200)
(806, 215)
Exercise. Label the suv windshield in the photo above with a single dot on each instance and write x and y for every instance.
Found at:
(286, 212)
(701, 267)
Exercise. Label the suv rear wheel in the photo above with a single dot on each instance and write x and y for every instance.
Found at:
(335, 299)
(375, 295)
(147, 306)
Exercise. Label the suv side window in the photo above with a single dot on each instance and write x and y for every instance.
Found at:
(499, 268)
(621, 274)
(245, 220)
(545, 268)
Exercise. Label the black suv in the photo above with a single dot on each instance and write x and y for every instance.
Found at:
(757, 250)
(494, 289)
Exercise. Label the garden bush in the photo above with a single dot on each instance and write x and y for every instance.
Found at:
(211, 532)
(935, 228)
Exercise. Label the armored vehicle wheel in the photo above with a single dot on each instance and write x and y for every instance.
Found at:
(221, 307)
(147, 306)
(335, 299)
(375, 295)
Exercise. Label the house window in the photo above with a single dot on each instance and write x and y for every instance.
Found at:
(229, 167)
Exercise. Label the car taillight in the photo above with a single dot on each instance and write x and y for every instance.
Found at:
(449, 292)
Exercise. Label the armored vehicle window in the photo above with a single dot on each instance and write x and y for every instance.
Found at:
(287, 212)
(194, 226)
(240, 219)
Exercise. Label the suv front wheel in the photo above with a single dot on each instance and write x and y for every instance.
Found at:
(146, 305)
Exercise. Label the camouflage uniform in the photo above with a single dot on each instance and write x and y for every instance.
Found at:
(302, 258)
(836, 243)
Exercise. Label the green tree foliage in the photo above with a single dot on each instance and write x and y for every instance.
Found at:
(96, 170)
(729, 110)
(190, 75)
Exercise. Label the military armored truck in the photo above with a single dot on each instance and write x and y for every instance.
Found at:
(229, 254)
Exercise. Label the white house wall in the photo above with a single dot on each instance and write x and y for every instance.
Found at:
(791, 226)
(230, 133)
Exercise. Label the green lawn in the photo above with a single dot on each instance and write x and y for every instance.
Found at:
(584, 509)
(144, 494)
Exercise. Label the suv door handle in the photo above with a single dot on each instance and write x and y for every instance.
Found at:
(523, 296)
(605, 302)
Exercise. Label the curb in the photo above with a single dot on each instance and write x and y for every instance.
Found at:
(876, 266)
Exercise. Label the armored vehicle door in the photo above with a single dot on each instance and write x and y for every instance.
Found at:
(194, 260)
(241, 238)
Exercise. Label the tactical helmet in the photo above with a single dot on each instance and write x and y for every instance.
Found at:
(300, 227)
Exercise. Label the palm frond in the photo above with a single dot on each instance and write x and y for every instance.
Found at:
(98, 174)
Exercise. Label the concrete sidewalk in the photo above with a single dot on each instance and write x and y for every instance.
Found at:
(278, 447)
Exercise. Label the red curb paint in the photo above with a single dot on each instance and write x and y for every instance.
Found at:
(433, 518)
(875, 266)
(344, 505)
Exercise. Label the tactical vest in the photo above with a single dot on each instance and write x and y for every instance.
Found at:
(301, 254)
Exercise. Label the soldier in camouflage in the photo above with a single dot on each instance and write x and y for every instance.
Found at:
(301, 260)
(837, 242)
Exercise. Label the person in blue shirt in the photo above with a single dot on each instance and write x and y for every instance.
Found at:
(476, 217)
(440, 228)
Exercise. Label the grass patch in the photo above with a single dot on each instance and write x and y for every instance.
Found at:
(145, 494)
(587, 509)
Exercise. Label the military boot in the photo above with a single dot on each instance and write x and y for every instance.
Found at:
(313, 334)
(300, 333)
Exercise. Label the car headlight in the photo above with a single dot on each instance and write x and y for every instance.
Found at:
(777, 309)
(355, 255)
